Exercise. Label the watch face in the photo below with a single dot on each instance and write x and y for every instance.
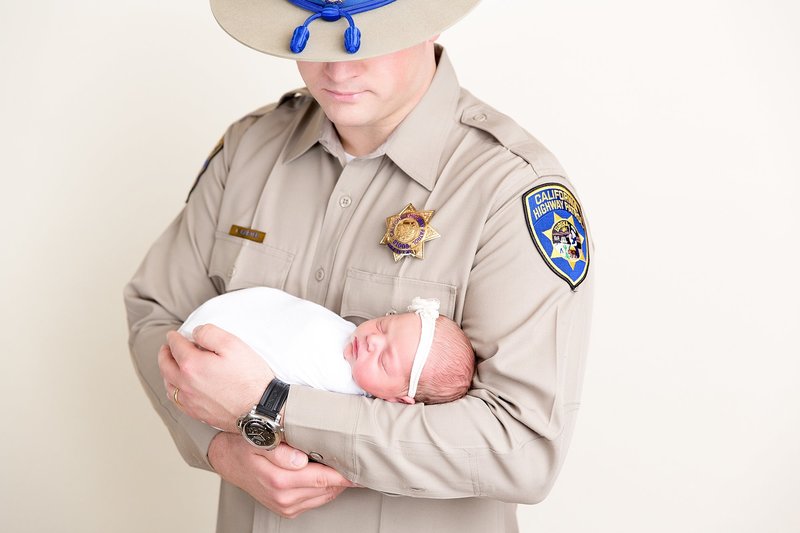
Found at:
(259, 433)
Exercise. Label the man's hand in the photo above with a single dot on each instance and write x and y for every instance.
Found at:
(218, 380)
(282, 480)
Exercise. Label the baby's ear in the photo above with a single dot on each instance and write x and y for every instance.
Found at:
(405, 399)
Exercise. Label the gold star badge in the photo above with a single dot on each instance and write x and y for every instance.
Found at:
(407, 232)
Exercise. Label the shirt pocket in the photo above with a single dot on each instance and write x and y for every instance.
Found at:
(238, 264)
(368, 295)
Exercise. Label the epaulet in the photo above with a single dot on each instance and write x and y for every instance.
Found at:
(293, 96)
(248, 118)
(260, 112)
(513, 137)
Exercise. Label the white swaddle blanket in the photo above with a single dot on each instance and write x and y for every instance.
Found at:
(302, 341)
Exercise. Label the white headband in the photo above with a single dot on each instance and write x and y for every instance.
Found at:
(428, 311)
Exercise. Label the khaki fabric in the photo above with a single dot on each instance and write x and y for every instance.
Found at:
(460, 466)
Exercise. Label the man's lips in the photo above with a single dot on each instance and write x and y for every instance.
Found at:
(344, 92)
(344, 95)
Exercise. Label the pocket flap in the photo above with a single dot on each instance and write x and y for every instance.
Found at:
(368, 295)
(239, 264)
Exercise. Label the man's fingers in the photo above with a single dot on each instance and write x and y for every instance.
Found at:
(180, 347)
(289, 499)
(216, 339)
(310, 499)
(168, 367)
(311, 476)
(321, 476)
(287, 492)
(330, 494)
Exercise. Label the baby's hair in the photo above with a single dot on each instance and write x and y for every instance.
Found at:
(448, 371)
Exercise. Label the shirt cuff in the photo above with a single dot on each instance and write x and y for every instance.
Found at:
(323, 425)
(192, 438)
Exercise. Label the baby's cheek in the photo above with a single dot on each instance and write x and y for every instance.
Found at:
(360, 376)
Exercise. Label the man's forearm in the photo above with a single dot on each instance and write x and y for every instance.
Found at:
(455, 450)
(191, 437)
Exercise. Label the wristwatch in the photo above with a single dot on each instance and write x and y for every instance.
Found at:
(262, 427)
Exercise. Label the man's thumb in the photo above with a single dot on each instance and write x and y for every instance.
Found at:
(215, 339)
(284, 456)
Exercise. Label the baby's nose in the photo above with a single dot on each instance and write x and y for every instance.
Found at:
(375, 342)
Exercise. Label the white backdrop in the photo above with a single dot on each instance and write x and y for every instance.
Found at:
(679, 123)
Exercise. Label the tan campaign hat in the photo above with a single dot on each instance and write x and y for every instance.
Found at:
(321, 30)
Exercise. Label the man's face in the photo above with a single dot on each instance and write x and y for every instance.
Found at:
(371, 93)
(381, 354)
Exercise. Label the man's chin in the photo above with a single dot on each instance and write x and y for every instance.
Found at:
(347, 118)
(348, 114)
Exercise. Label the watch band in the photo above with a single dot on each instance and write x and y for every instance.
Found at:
(273, 399)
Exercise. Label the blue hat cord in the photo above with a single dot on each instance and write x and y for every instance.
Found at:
(331, 11)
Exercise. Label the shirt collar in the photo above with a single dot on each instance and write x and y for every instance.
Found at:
(308, 131)
(417, 145)
(417, 154)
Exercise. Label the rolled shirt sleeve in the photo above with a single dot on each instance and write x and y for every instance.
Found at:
(170, 283)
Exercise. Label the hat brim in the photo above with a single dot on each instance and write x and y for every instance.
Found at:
(267, 26)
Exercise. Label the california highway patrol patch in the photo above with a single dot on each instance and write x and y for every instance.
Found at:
(555, 222)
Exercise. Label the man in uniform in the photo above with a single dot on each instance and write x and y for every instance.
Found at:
(380, 181)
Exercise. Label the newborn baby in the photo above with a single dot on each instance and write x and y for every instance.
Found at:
(411, 357)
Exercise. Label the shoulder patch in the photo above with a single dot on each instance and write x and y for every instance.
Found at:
(555, 221)
(217, 149)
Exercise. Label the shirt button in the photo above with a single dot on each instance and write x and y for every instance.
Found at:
(232, 271)
(391, 312)
(316, 456)
(480, 117)
(319, 275)
(345, 201)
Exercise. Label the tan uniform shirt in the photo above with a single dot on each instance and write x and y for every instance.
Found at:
(460, 466)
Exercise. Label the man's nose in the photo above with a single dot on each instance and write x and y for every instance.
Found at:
(342, 70)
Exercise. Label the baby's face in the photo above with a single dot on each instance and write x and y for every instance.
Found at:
(381, 353)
